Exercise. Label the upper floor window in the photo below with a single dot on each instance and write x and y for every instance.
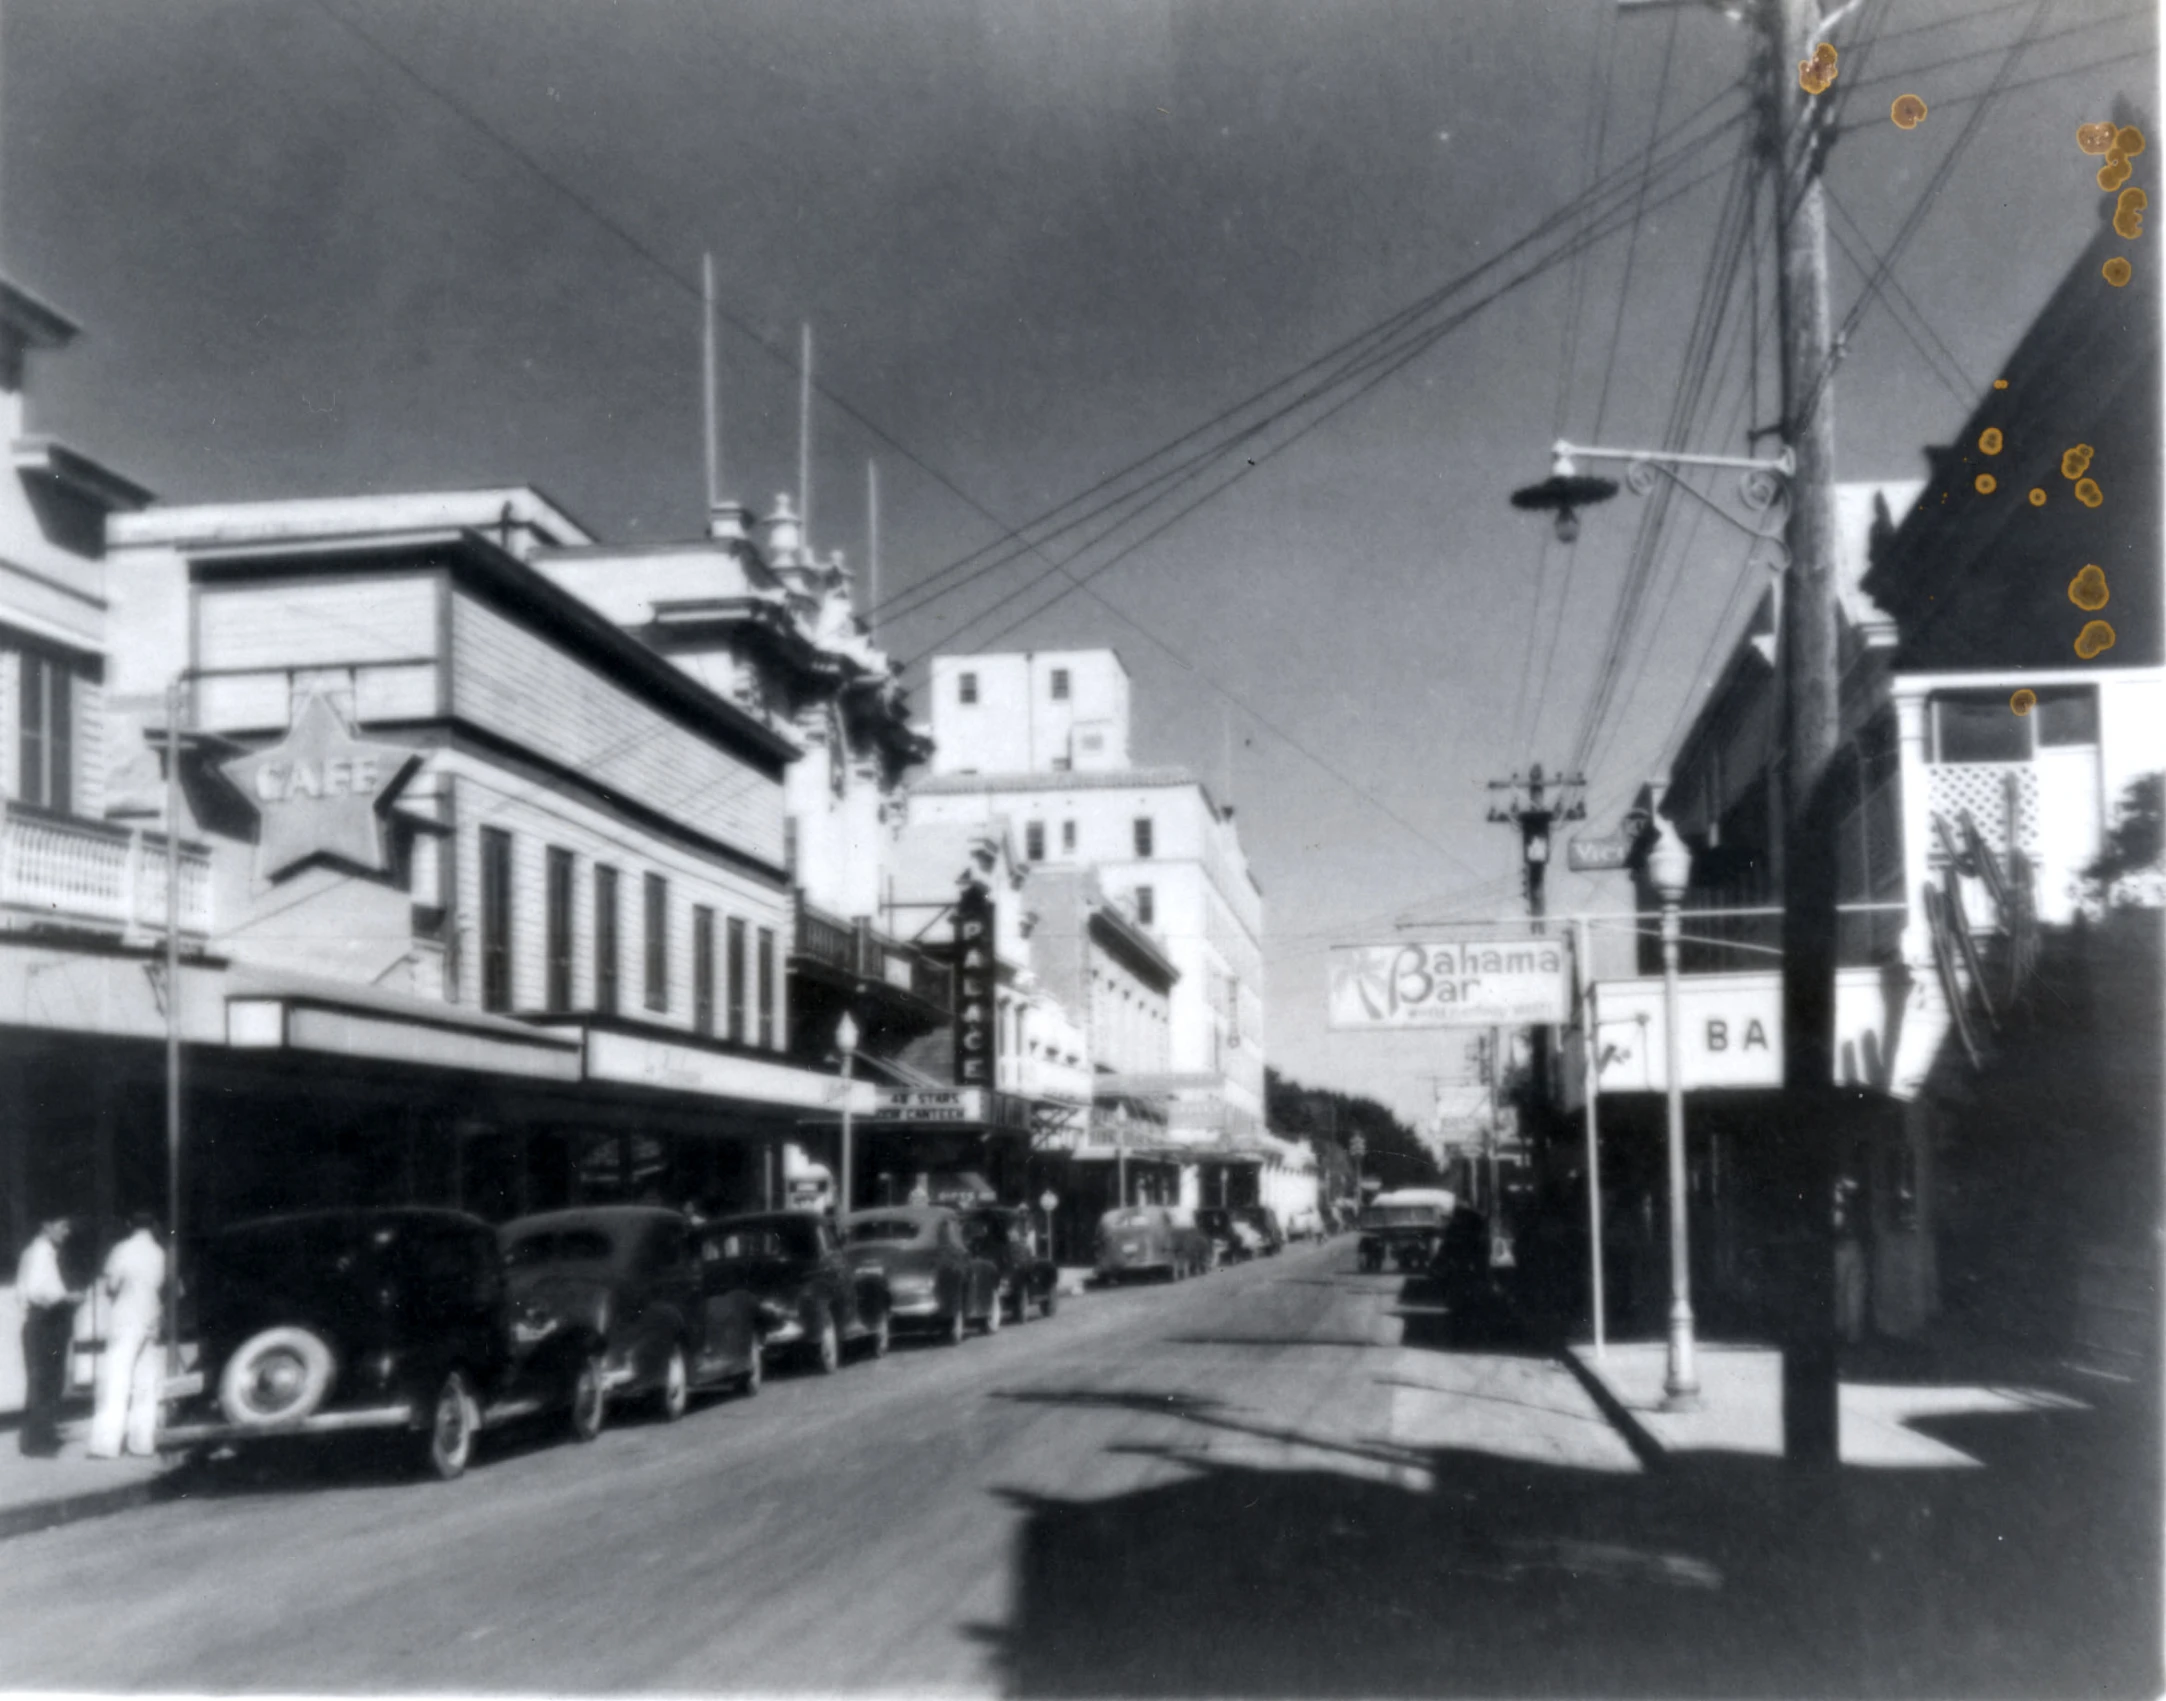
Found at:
(657, 917)
(1975, 727)
(495, 919)
(605, 940)
(1067, 835)
(702, 969)
(735, 978)
(1143, 835)
(966, 688)
(1034, 841)
(767, 988)
(47, 723)
(1060, 685)
(557, 994)
(1146, 906)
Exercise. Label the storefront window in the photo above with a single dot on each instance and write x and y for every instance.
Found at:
(1979, 729)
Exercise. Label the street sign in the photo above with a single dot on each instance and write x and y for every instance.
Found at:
(1598, 853)
(1357, 1148)
(1049, 1201)
(1457, 983)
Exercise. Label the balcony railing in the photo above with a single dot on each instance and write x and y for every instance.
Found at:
(59, 871)
(858, 949)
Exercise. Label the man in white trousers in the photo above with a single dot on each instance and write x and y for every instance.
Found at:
(131, 1373)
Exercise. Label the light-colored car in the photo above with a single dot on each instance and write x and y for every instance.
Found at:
(1150, 1240)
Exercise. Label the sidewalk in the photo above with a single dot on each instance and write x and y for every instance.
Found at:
(37, 1494)
(1740, 1406)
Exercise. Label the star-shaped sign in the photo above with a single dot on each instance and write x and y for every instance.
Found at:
(321, 792)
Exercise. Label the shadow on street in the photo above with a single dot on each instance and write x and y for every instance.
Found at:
(2036, 1573)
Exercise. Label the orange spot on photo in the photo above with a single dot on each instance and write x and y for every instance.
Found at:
(1986, 484)
(2117, 271)
(1908, 112)
(1990, 440)
(2095, 639)
(2128, 214)
(2038, 497)
(2087, 590)
(2024, 701)
(2114, 172)
(2076, 461)
(2088, 493)
(2094, 138)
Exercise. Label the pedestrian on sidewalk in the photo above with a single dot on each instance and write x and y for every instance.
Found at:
(1850, 1271)
(130, 1371)
(48, 1326)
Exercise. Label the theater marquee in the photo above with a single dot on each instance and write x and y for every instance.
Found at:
(1458, 983)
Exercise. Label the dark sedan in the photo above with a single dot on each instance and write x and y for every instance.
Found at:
(1159, 1240)
(936, 1282)
(1006, 1235)
(628, 1272)
(812, 1301)
(332, 1322)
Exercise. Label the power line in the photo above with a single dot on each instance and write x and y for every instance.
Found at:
(1909, 72)
(1347, 353)
(2116, 61)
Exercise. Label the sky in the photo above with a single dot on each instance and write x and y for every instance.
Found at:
(328, 246)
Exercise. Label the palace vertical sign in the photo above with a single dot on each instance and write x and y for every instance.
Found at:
(977, 1028)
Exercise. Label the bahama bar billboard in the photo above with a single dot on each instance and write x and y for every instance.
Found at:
(1458, 983)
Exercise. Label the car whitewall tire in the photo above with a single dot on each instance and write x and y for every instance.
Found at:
(674, 1398)
(453, 1420)
(589, 1398)
(276, 1376)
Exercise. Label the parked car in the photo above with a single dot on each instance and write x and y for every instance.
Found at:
(1265, 1222)
(935, 1280)
(813, 1303)
(628, 1272)
(1231, 1239)
(1160, 1240)
(1404, 1227)
(1305, 1225)
(329, 1323)
(1009, 1237)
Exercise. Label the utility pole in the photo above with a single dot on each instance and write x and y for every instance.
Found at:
(1534, 817)
(1795, 139)
(1537, 803)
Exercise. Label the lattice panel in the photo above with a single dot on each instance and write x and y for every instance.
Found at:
(1981, 788)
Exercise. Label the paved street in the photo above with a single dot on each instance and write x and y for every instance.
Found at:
(855, 1533)
(1283, 1478)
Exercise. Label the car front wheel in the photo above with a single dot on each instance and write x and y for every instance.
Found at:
(993, 1311)
(674, 1398)
(958, 1325)
(589, 1398)
(883, 1335)
(827, 1346)
(755, 1371)
(453, 1419)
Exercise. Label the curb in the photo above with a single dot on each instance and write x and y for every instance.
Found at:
(1622, 1419)
(79, 1508)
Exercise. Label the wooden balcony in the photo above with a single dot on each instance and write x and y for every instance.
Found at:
(859, 953)
(60, 872)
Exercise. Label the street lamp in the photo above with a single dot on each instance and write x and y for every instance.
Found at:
(1669, 866)
(846, 1043)
(1763, 486)
(1120, 1151)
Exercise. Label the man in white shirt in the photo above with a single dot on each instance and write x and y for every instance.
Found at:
(131, 1372)
(48, 1325)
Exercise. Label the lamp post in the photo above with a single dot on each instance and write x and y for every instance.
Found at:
(846, 1043)
(1357, 1148)
(1120, 1152)
(1669, 865)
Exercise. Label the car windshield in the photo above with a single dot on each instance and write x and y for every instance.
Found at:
(889, 1229)
(1402, 1216)
(1135, 1216)
(557, 1246)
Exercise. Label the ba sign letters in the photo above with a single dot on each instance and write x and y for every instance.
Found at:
(1450, 984)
